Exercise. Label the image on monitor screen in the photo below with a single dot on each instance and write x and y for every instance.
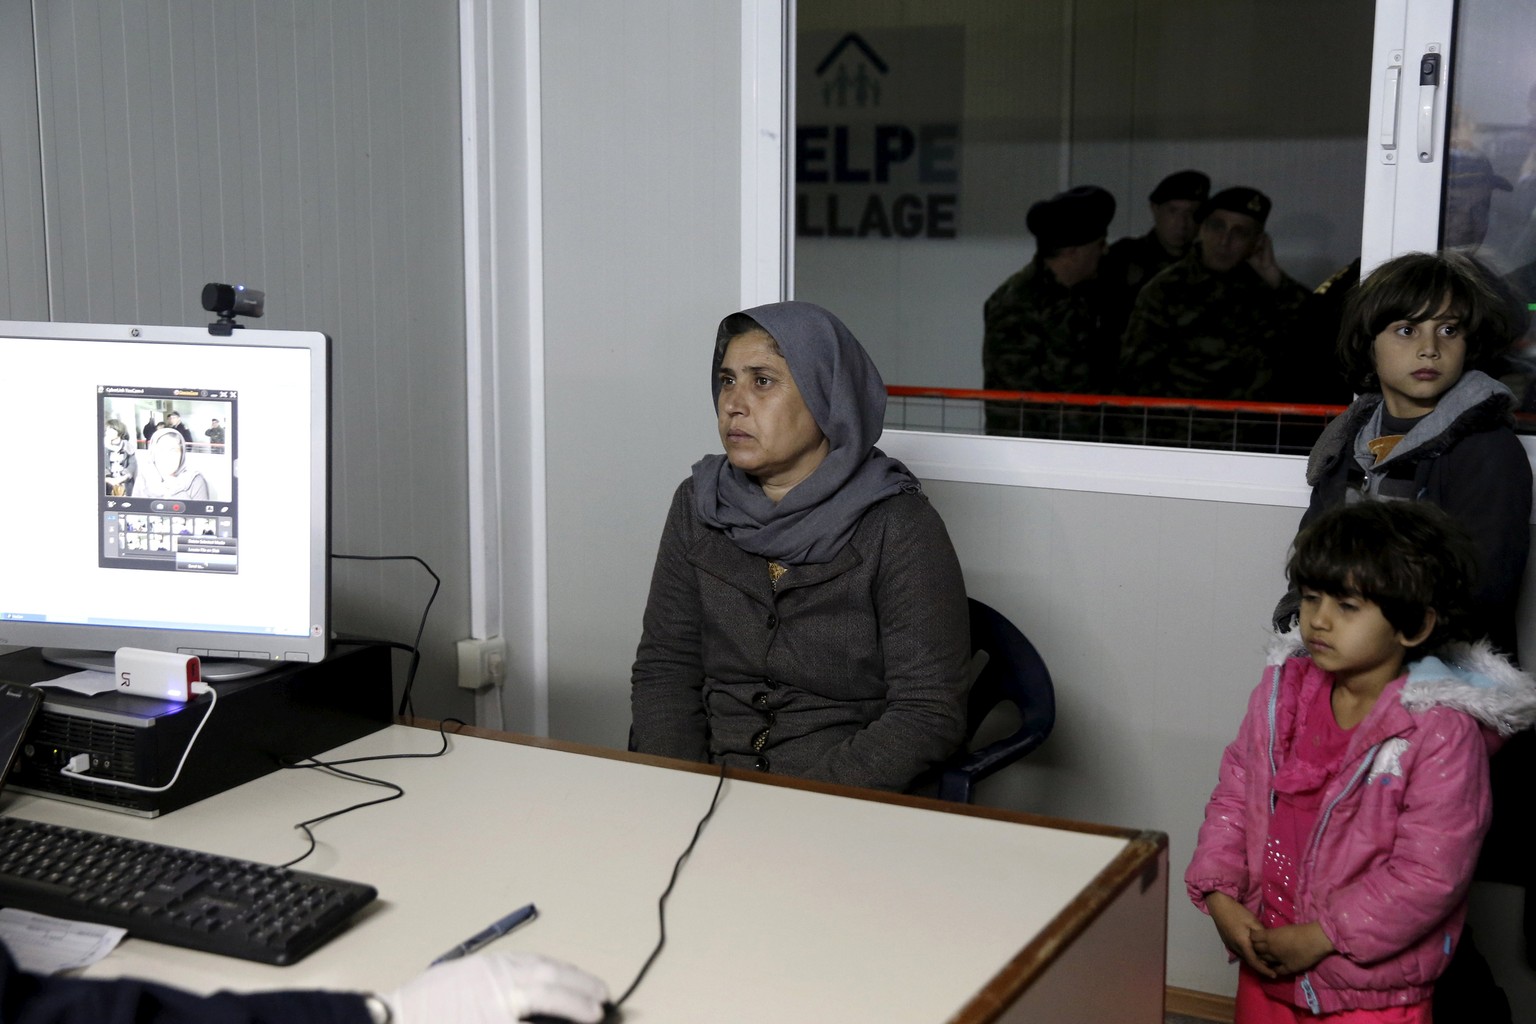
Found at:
(168, 499)
(173, 494)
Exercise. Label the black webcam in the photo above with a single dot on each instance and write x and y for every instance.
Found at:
(230, 301)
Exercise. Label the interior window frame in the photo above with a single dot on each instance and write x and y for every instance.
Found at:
(1402, 210)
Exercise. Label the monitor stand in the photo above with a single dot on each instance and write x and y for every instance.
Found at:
(214, 670)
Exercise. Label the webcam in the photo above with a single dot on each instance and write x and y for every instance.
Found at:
(230, 301)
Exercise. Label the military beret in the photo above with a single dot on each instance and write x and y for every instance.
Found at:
(1238, 200)
(1182, 185)
(1074, 217)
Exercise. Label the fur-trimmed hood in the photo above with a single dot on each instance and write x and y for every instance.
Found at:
(1475, 679)
(1283, 645)
(1472, 678)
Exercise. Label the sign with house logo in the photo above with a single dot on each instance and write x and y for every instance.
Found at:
(877, 138)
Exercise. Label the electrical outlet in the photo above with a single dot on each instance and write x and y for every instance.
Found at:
(482, 663)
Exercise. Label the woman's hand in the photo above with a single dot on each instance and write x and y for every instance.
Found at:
(1236, 925)
(1292, 948)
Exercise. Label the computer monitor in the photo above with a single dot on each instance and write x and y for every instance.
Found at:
(165, 488)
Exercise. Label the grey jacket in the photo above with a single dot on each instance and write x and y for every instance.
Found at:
(852, 671)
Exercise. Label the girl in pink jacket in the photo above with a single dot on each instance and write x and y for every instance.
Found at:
(1338, 845)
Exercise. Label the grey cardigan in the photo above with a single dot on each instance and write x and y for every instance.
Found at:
(856, 668)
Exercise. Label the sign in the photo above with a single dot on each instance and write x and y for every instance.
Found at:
(877, 138)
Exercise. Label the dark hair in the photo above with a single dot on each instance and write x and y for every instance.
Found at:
(119, 427)
(734, 326)
(1417, 286)
(1406, 556)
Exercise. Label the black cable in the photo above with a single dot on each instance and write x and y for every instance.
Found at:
(661, 904)
(334, 768)
(305, 825)
(415, 649)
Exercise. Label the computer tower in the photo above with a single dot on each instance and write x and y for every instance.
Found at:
(292, 712)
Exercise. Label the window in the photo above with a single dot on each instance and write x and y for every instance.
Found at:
(925, 131)
(1489, 193)
(1113, 93)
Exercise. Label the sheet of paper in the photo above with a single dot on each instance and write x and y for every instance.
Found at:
(88, 682)
(47, 945)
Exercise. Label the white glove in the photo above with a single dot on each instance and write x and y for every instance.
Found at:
(493, 988)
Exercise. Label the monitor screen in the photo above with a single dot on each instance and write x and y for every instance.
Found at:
(166, 488)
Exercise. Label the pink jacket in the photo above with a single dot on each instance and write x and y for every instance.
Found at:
(1388, 867)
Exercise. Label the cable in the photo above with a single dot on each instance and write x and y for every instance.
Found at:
(334, 768)
(661, 904)
(356, 777)
(213, 700)
(415, 649)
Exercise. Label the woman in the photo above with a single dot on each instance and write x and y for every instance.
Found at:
(807, 615)
(166, 474)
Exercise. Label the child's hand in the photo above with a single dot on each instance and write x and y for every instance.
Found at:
(1236, 926)
(1290, 949)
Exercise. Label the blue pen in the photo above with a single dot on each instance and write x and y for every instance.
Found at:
(488, 935)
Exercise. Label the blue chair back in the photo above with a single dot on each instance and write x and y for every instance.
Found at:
(1013, 672)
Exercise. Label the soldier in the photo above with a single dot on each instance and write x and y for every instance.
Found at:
(1213, 325)
(1132, 262)
(1045, 325)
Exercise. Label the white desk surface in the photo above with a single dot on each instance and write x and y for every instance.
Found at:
(797, 904)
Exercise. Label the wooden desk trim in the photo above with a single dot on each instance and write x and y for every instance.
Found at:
(1138, 862)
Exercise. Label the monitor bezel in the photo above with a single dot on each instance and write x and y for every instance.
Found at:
(212, 643)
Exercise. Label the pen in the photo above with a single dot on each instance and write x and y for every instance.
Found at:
(488, 935)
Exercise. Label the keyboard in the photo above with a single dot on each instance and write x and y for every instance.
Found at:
(167, 894)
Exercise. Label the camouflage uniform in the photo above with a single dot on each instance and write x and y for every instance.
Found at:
(1128, 265)
(1041, 336)
(1194, 333)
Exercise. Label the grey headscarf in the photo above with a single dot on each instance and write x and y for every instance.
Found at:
(846, 397)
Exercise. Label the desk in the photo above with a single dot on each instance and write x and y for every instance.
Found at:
(802, 902)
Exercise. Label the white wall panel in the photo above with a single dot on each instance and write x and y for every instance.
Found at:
(1150, 613)
(642, 223)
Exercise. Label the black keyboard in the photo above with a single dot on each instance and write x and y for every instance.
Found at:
(166, 894)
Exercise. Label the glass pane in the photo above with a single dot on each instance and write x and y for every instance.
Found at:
(1489, 206)
(927, 130)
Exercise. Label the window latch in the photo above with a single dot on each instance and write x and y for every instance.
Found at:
(1429, 84)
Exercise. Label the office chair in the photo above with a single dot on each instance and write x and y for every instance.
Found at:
(1010, 669)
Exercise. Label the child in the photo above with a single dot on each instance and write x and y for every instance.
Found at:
(1430, 425)
(1338, 846)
